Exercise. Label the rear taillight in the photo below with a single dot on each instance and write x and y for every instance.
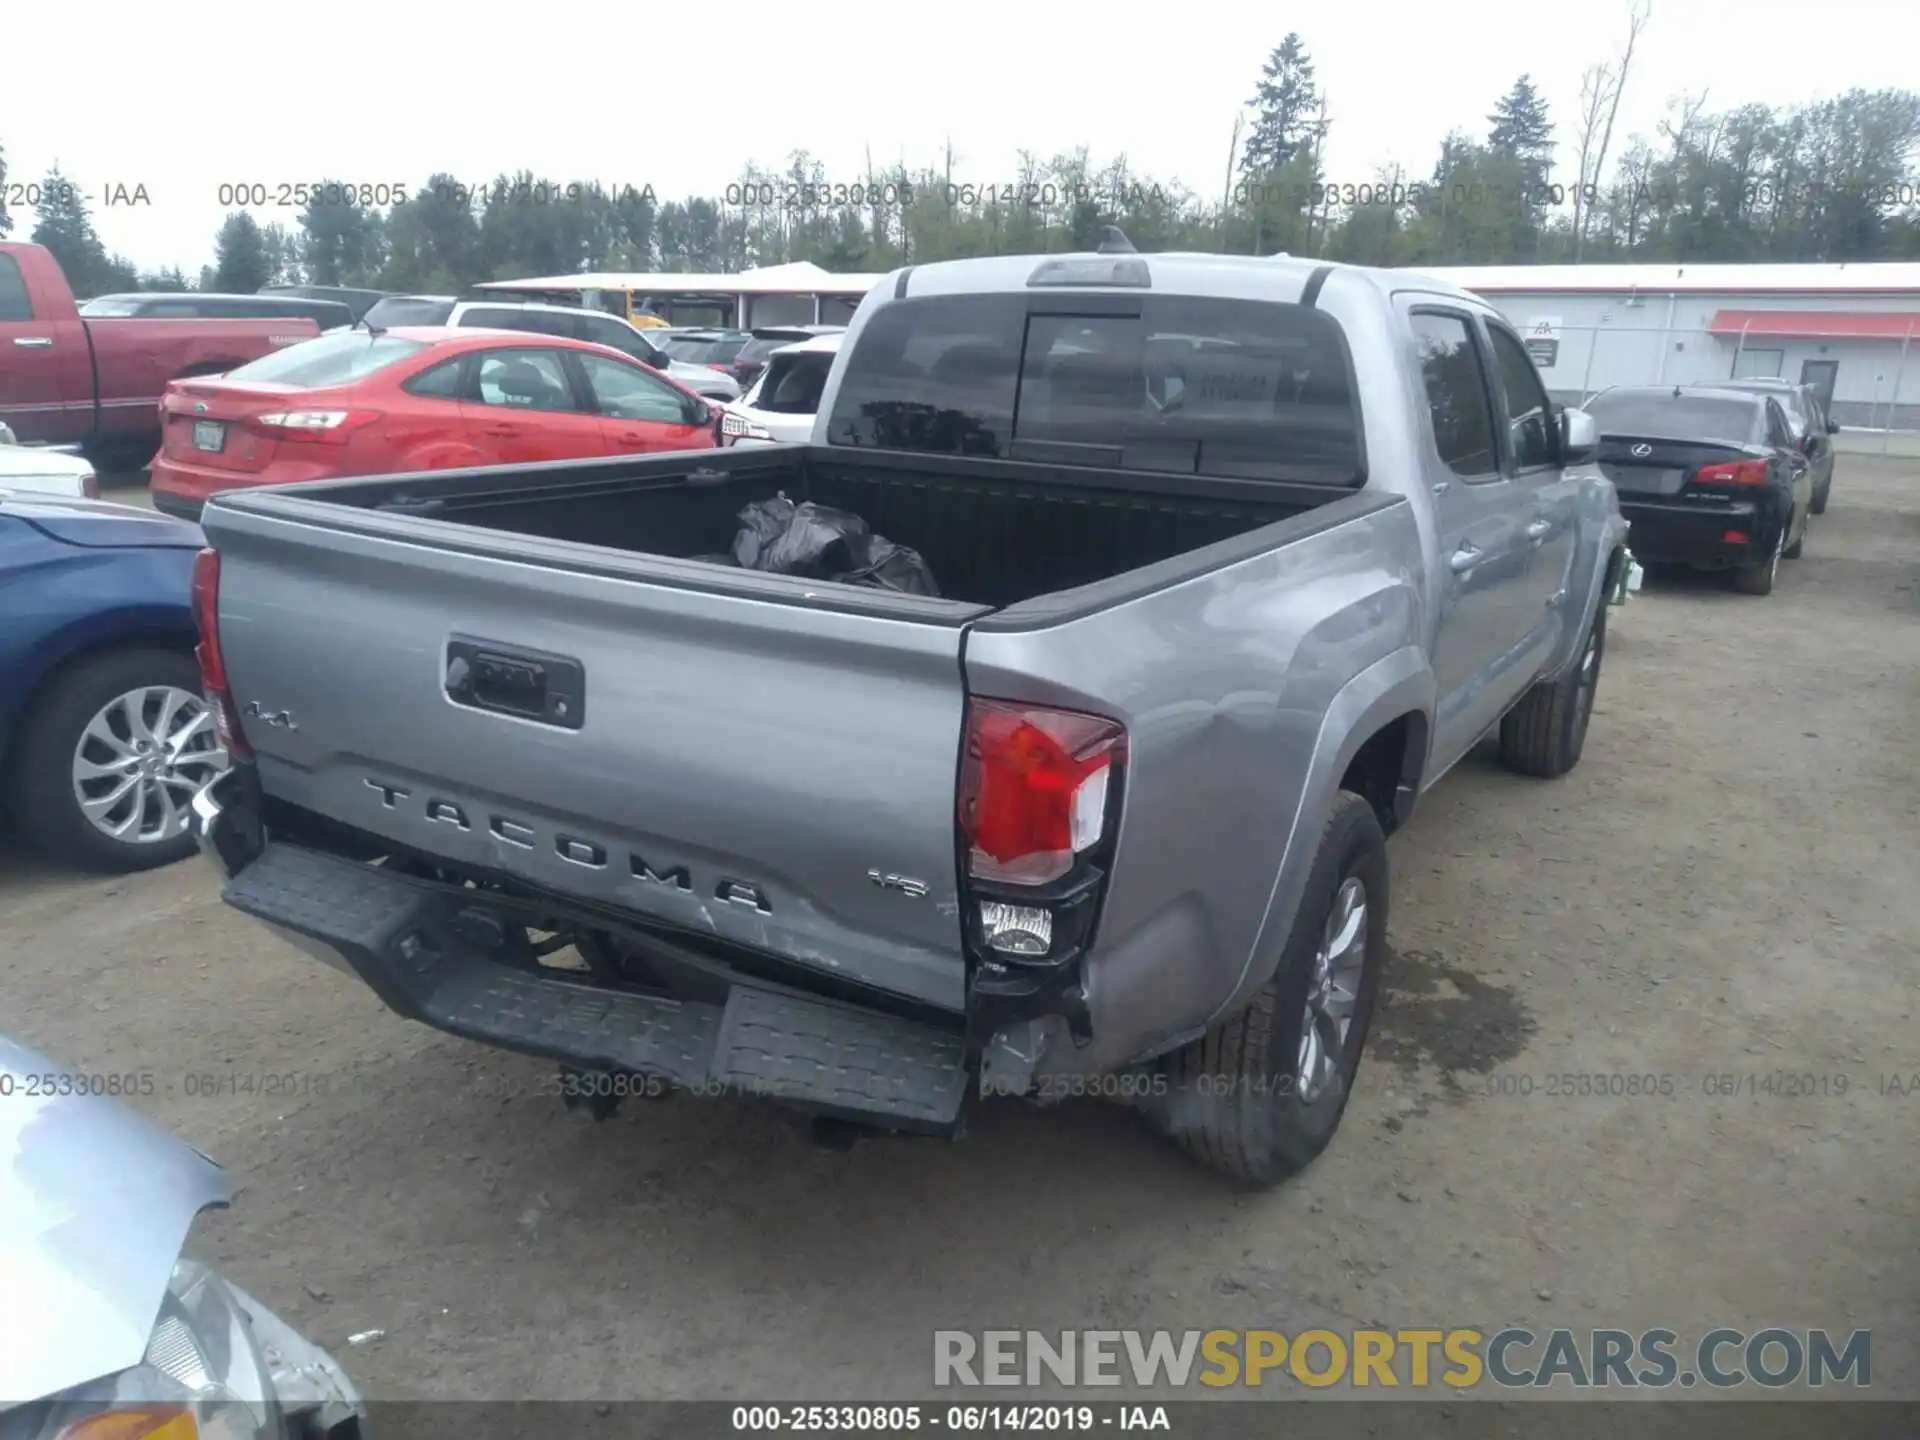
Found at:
(325, 427)
(1034, 787)
(1732, 472)
(213, 665)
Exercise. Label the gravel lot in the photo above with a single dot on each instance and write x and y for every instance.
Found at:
(1726, 886)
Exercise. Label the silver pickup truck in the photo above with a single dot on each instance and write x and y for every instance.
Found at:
(1235, 558)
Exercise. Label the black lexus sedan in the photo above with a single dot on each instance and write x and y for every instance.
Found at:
(1710, 479)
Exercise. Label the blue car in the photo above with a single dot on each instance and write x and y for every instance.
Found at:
(104, 734)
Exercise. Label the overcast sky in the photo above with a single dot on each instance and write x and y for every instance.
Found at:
(185, 98)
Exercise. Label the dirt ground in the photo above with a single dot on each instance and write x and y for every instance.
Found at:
(1725, 887)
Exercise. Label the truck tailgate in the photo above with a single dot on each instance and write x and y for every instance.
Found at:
(729, 765)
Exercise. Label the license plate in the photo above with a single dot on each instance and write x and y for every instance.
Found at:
(209, 435)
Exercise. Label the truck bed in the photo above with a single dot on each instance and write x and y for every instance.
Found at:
(993, 533)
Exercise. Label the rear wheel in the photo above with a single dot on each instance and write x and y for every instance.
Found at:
(1758, 579)
(1261, 1095)
(111, 755)
(1546, 732)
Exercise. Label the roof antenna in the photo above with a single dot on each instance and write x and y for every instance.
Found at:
(1114, 242)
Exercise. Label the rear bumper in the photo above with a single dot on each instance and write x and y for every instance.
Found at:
(407, 940)
(1678, 533)
(179, 506)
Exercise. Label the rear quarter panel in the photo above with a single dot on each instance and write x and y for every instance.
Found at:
(1243, 691)
(135, 358)
(58, 601)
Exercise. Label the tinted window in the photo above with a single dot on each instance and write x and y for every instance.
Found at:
(708, 349)
(1457, 399)
(525, 380)
(793, 383)
(1195, 385)
(1662, 415)
(407, 310)
(1529, 416)
(14, 304)
(442, 382)
(627, 392)
(329, 360)
(1779, 432)
(615, 336)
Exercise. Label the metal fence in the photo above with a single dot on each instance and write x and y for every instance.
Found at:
(1875, 384)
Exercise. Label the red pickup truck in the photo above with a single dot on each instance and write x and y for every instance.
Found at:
(96, 383)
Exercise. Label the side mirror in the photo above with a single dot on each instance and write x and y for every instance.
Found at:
(1579, 437)
(1833, 427)
(654, 357)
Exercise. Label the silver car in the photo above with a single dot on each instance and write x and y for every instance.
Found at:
(102, 1311)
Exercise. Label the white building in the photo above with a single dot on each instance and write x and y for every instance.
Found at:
(1847, 329)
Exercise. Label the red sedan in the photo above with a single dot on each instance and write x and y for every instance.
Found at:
(361, 402)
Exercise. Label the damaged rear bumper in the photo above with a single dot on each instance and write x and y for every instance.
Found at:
(408, 940)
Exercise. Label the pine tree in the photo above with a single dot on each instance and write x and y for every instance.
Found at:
(240, 263)
(1520, 126)
(62, 224)
(1286, 103)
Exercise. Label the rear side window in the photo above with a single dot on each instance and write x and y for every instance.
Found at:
(1457, 399)
(1192, 384)
(14, 304)
(442, 382)
(793, 383)
(329, 360)
(1665, 416)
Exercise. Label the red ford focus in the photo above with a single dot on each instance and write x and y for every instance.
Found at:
(359, 402)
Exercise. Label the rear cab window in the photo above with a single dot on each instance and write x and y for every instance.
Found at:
(330, 360)
(1192, 385)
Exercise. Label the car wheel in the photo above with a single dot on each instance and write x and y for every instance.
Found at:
(1261, 1095)
(110, 757)
(1758, 579)
(1820, 497)
(1794, 550)
(1546, 732)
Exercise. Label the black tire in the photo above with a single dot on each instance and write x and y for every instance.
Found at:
(1546, 732)
(1233, 1098)
(1820, 495)
(1758, 579)
(43, 798)
(1799, 545)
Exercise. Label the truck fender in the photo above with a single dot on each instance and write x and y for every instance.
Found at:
(1398, 684)
(1603, 537)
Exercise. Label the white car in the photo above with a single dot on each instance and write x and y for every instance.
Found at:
(779, 409)
(570, 321)
(37, 470)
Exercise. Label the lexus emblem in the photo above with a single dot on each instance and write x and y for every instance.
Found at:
(200, 408)
(1640, 452)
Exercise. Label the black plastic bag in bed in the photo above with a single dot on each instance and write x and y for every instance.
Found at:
(819, 542)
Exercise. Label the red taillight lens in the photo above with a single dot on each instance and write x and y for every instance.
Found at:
(322, 427)
(213, 665)
(1034, 784)
(1734, 472)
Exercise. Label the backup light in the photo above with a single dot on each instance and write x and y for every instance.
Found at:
(1016, 929)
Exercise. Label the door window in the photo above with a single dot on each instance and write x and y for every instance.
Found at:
(525, 380)
(1457, 399)
(626, 392)
(15, 304)
(1527, 412)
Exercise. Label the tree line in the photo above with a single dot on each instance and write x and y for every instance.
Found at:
(1830, 180)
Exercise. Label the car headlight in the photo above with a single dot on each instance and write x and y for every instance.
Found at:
(203, 1378)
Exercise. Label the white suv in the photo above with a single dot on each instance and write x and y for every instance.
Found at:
(780, 406)
(571, 321)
